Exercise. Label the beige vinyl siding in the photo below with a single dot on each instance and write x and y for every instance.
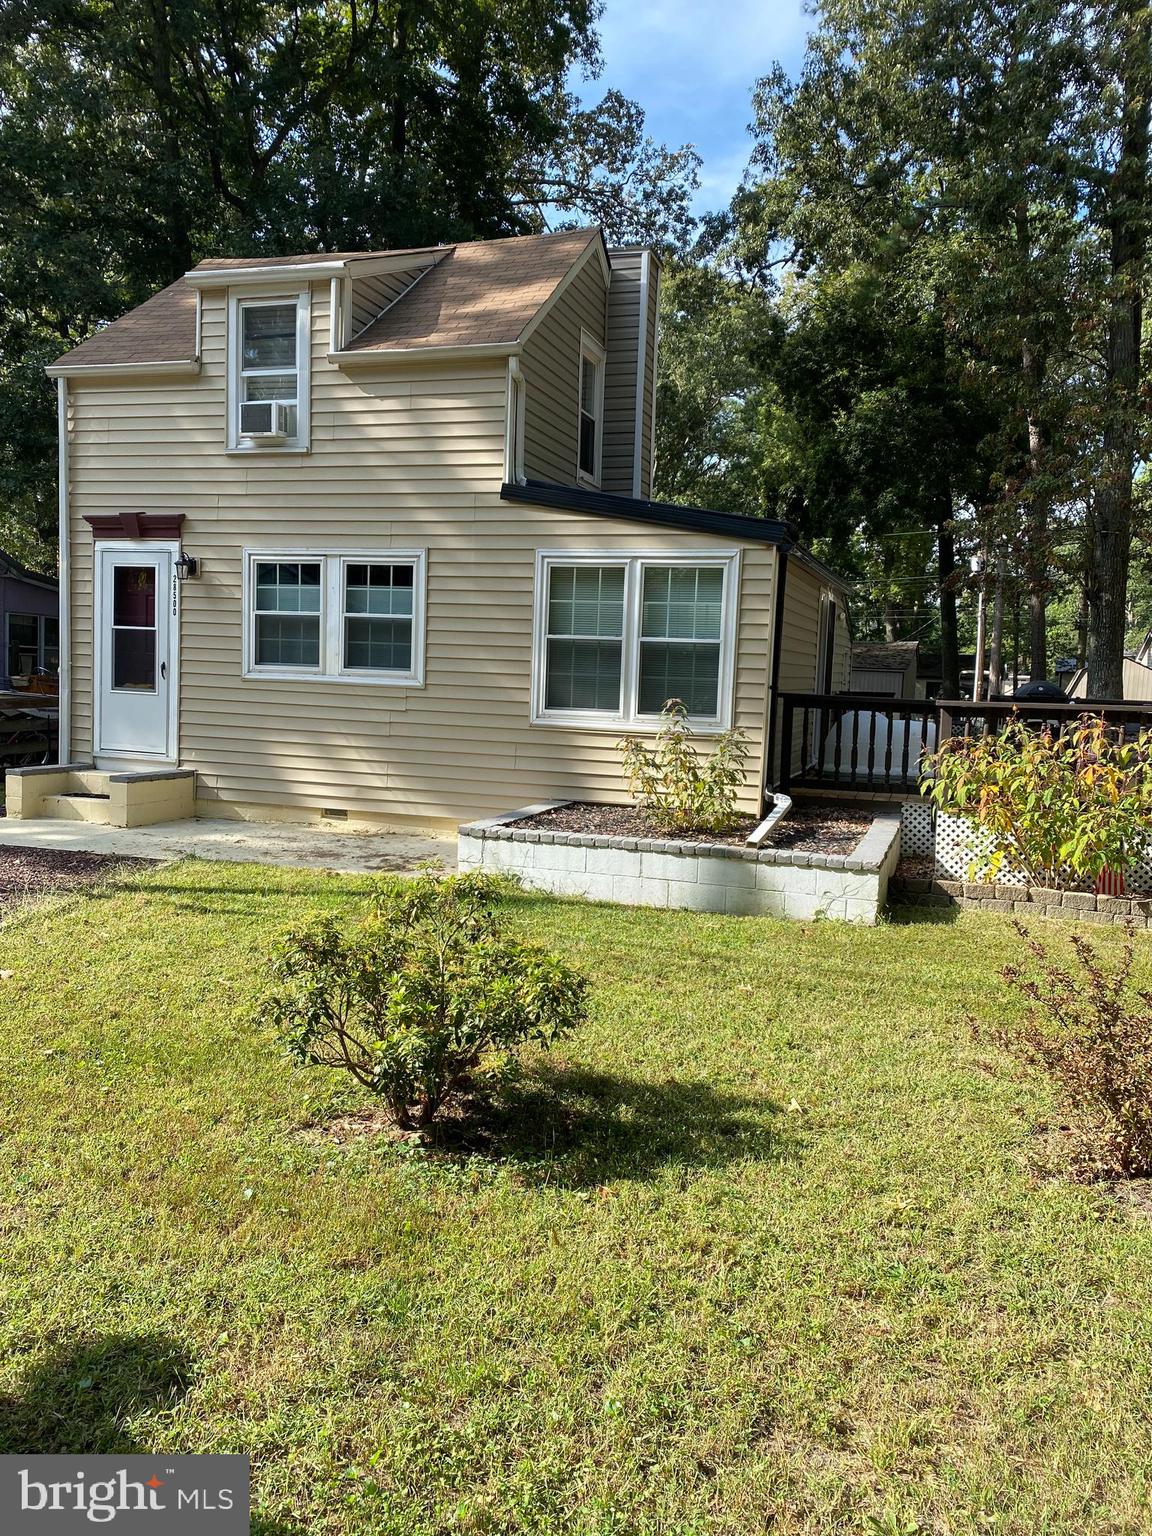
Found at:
(842, 651)
(404, 456)
(623, 341)
(799, 636)
(371, 296)
(551, 366)
(647, 447)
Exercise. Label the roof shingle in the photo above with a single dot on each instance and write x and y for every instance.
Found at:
(478, 292)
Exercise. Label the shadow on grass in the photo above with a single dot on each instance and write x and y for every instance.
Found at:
(76, 1401)
(579, 1128)
(929, 917)
(77, 1398)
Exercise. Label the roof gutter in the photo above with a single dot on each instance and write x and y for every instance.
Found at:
(367, 264)
(178, 367)
(229, 277)
(361, 357)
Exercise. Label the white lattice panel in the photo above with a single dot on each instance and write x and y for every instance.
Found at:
(916, 830)
(959, 841)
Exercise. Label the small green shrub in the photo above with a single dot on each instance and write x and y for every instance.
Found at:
(676, 786)
(424, 998)
(1089, 1031)
(1057, 803)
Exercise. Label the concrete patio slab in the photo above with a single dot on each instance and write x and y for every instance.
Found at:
(246, 842)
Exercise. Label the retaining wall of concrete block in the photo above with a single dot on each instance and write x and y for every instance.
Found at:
(697, 877)
(1024, 902)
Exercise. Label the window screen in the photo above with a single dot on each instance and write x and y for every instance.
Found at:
(268, 356)
(589, 413)
(378, 617)
(585, 638)
(287, 611)
(680, 634)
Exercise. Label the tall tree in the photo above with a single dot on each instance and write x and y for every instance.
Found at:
(1119, 196)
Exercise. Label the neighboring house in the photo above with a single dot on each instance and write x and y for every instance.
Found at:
(1137, 679)
(369, 535)
(29, 621)
(888, 669)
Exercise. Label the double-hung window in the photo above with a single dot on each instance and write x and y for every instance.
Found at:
(591, 409)
(617, 637)
(268, 354)
(32, 644)
(348, 616)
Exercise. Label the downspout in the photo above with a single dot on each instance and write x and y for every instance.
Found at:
(772, 730)
(514, 424)
(64, 730)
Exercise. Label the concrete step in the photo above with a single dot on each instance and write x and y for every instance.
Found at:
(77, 807)
(89, 781)
(117, 798)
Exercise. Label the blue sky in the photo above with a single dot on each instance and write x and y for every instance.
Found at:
(691, 65)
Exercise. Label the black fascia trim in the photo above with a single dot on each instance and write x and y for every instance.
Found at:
(667, 514)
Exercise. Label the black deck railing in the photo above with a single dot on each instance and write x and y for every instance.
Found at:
(854, 741)
(963, 717)
(859, 743)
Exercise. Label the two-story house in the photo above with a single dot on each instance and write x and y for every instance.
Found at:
(370, 536)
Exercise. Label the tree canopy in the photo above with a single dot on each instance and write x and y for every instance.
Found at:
(139, 136)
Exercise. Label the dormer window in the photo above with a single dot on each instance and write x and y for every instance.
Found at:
(268, 351)
(591, 409)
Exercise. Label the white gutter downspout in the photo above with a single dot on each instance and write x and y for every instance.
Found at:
(64, 744)
(514, 424)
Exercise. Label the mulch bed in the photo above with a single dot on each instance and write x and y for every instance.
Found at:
(29, 872)
(815, 828)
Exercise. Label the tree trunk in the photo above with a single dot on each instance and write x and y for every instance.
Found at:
(1033, 369)
(949, 634)
(981, 612)
(1112, 512)
(996, 644)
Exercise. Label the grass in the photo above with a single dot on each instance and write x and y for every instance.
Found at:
(756, 1251)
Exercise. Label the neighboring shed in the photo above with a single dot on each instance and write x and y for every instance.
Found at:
(1137, 681)
(888, 669)
(29, 620)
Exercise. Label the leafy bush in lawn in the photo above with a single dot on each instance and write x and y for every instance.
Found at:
(1089, 1031)
(679, 788)
(424, 998)
(1072, 802)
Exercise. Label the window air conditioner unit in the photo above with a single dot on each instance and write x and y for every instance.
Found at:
(265, 420)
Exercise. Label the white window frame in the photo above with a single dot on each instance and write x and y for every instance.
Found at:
(334, 563)
(634, 564)
(591, 350)
(302, 298)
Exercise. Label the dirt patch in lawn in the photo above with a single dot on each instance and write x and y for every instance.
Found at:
(816, 828)
(27, 873)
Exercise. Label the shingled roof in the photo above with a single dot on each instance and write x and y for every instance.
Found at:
(482, 292)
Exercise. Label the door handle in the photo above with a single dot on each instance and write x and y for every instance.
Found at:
(164, 669)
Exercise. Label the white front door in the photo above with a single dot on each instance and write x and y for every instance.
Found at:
(135, 608)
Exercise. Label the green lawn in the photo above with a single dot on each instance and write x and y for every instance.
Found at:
(754, 1252)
